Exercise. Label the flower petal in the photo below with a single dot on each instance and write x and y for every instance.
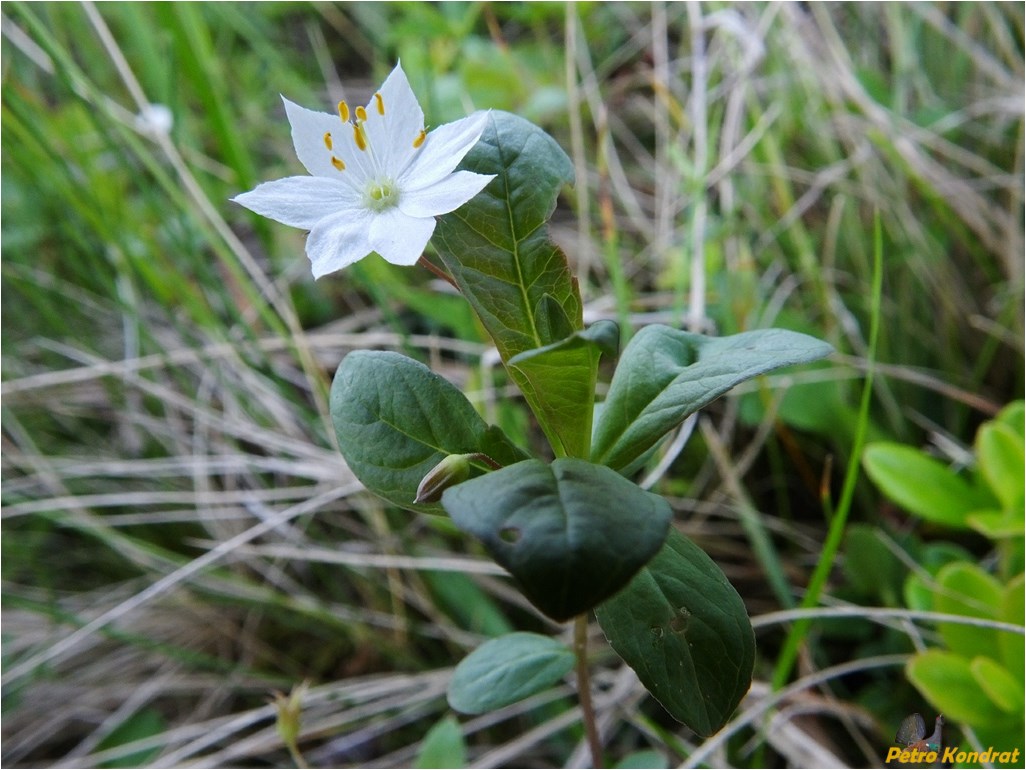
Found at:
(339, 241)
(442, 151)
(392, 133)
(299, 201)
(399, 238)
(308, 130)
(445, 196)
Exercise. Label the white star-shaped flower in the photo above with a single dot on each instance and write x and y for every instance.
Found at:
(377, 178)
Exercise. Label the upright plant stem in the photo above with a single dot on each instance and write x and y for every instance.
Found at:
(584, 688)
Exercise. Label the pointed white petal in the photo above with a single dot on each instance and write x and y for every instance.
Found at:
(399, 238)
(392, 134)
(308, 130)
(442, 151)
(299, 201)
(445, 196)
(339, 241)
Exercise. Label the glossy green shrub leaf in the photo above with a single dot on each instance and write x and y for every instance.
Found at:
(1013, 610)
(918, 592)
(572, 533)
(965, 589)
(665, 374)
(497, 247)
(998, 525)
(999, 452)
(443, 746)
(1000, 686)
(558, 382)
(1014, 416)
(396, 420)
(946, 680)
(506, 670)
(922, 484)
(683, 628)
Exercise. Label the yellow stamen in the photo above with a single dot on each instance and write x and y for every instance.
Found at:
(343, 111)
(361, 114)
(420, 138)
(327, 140)
(381, 104)
(337, 163)
(361, 140)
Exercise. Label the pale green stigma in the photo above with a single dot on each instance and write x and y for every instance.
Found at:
(381, 195)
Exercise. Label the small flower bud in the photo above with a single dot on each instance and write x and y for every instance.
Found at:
(448, 473)
(289, 710)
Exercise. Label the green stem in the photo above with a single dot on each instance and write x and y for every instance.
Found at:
(840, 516)
(584, 688)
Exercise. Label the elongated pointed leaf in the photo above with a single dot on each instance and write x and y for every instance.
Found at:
(665, 374)
(506, 670)
(559, 384)
(572, 533)
(396, 420)
(497, 247)
(682, 627)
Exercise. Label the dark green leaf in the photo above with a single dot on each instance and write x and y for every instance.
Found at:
(665, 374)
(558, 382)
(682, 627)
(396, 420)
(497, 247)
(508, 669)
(572, 533)
(141, 725)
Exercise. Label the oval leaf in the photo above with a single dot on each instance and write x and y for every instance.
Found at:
(946, 680)
(1013, 610)
(922, 484)
(396, 420)
(571, 533)
(443, 746)
(965, 589)
(558, 382)
(497, 247)
(683, 628)
(1000, 686)
(999, 451)
(665, 374)
(507, 669)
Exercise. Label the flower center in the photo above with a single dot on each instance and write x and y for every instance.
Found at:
(381, 194)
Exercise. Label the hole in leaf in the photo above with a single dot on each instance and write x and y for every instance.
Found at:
(680, 621)
(510, 534)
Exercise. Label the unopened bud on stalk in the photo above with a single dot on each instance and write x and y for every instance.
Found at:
(448, 473)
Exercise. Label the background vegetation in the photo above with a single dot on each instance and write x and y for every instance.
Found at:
(181, 537)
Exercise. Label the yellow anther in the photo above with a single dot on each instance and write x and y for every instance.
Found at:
(327, 140)
(361, 140)
(343, 111)
(380, 103)
(361, 114)
(420, 138)
(337, 163)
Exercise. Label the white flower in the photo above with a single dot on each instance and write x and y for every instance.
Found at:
(378, 178)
